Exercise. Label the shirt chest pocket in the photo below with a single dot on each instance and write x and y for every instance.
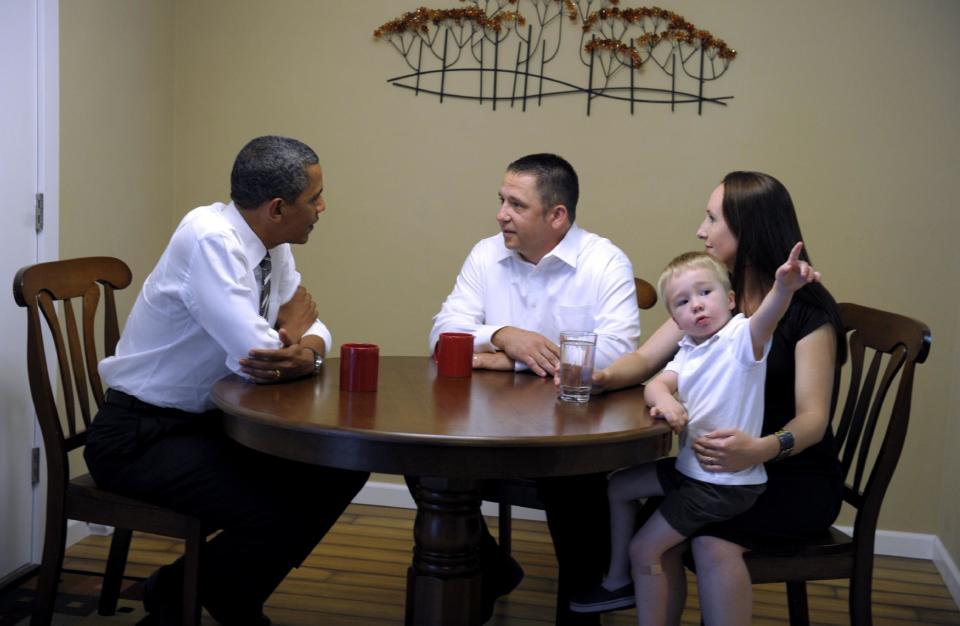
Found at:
(573, 317)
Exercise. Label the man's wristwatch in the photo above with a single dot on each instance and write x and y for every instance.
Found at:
(785, 437)
(317, 361)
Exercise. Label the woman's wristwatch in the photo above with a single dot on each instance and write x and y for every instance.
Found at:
(785, 437)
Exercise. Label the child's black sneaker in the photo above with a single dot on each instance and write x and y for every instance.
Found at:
(599, 600)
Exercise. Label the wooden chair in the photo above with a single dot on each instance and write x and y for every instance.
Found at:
(884, 349)
(523, 491)
(39, 288)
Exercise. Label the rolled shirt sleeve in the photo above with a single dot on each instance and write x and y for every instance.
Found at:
(618, 317)
(463, 310)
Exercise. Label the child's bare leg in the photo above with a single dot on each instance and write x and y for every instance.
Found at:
(676, 583)
(723, 581)
(650, 578)
(626, 487)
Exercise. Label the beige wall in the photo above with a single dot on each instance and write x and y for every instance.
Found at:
(852, 105)
(116, 148)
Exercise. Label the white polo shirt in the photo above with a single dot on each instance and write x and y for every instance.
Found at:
(721, 385)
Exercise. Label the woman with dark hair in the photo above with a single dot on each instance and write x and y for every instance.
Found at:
(750, 226)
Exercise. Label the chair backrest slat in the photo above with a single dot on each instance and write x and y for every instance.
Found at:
(889, 451)
(77, 363)
(894, 363)
(861, 395)
(56, 328)
(855, 361)
(111, 335)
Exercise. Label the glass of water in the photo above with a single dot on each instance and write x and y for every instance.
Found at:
(577, 348)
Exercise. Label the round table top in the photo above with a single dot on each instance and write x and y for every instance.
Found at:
(488, 425)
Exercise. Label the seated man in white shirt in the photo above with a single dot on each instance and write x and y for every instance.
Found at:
(225, 297)
(515, 293)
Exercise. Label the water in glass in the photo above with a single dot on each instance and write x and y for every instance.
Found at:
(576, 370)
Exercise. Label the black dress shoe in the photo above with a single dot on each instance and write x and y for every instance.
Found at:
(162, 599)
(230, 615)
(153, 620)
(163, 602)
(258, 620)
(497, 581)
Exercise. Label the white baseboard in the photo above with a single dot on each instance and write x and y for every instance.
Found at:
(397, 495)
(77, 531)
(918, 546)
(896, 543)
(947, 568)
(81, 530)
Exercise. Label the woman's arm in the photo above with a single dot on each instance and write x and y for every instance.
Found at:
(816, 362)
(634, 368)
(731, 450)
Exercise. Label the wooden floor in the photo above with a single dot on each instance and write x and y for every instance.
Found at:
(357, 575)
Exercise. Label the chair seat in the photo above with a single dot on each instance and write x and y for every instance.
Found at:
(96, 506)
(825, 557)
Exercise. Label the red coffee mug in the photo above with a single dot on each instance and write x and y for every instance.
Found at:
(454, 354)
(359, 365)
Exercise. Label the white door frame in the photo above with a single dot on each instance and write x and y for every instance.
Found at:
(48, 132)
(48, 183)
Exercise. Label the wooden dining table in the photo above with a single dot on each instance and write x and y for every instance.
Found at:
(451, 432)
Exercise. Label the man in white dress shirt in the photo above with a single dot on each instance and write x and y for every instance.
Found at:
(225, 297)
(515, 293)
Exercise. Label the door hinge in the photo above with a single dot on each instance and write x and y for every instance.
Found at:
(39, 213)
(35, 467)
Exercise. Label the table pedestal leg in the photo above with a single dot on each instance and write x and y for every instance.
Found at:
(443, 584)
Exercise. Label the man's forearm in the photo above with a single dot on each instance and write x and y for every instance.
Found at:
(297, 315)
(314, 342)
(493, 361)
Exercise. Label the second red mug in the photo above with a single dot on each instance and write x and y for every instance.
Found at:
(454, 354)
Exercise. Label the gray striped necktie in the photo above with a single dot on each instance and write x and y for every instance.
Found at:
(265, 268)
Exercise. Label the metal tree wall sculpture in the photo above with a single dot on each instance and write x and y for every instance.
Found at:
(498, 50)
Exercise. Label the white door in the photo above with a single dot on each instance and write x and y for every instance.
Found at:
(23, 169)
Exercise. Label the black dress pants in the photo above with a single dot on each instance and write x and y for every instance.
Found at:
(578, 516)
(271, 512)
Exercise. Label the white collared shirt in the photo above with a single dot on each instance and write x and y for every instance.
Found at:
(584, 283)
(198, 312)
